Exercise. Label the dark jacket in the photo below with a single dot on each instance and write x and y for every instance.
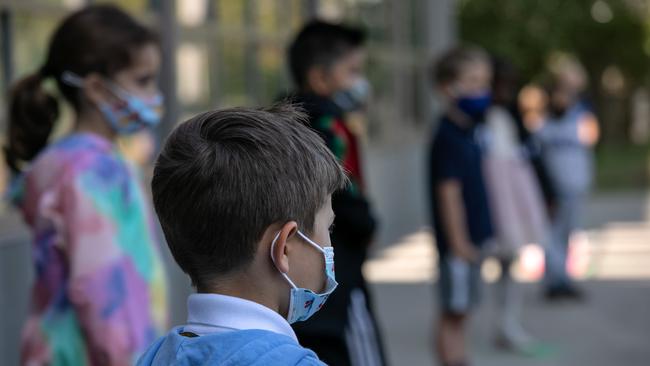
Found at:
(354, 225)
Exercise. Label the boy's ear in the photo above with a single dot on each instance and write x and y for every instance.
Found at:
(317, 80)
(281, 250)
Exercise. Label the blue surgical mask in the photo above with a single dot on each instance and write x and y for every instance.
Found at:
(355, 97)
(303, 302)
(131, 114)
(475, 106)
(134, 114)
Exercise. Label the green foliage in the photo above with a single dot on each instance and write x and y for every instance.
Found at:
(527, 31)
(621, 167)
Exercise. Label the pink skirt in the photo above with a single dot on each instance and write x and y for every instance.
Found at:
(518, 212)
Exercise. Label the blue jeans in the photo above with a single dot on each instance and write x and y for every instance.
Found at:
(564, 222)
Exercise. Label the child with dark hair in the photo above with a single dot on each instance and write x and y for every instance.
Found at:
(99, 294)
(461, 216)
(326, 62)
(244, 199)
(516, 201)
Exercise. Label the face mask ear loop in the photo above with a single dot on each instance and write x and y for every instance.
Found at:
(117, 90)
(311, 242)
(72, 79)
(275, 264)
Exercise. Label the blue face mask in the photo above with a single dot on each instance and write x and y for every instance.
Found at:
(354, 98)
(131, 114)
(475, 106)
(303, 302)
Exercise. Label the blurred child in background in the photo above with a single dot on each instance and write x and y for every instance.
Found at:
(567, 137)
(326, 62)
(99, 295)
(516, 200)
(461, 216)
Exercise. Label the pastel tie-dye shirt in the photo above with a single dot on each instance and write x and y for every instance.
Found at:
(99, 296)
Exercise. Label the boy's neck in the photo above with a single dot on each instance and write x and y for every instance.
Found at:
(243, 287)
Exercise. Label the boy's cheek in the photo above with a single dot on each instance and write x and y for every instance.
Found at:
(343, 83)
(343, 79)
(322, 282)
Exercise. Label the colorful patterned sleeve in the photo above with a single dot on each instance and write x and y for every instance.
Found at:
(115, 278)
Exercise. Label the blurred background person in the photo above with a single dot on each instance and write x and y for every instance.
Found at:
(99, 295)
(532, 102)
(516, 203)
(459, 202)
(566, 137)
(326, 63)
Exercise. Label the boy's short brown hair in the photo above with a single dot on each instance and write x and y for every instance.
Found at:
(447, 68)
(223, 177)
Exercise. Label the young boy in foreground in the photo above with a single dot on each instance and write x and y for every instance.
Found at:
(244, 199)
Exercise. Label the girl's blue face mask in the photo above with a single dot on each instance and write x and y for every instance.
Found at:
(131, 114)
(303, 302)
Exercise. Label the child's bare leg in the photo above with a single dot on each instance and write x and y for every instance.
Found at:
(450, 339)
(510, 332)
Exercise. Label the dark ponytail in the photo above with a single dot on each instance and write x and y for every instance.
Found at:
(97, 39)
(32, 115)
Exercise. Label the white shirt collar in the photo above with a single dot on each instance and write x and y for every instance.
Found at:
(212, 313)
